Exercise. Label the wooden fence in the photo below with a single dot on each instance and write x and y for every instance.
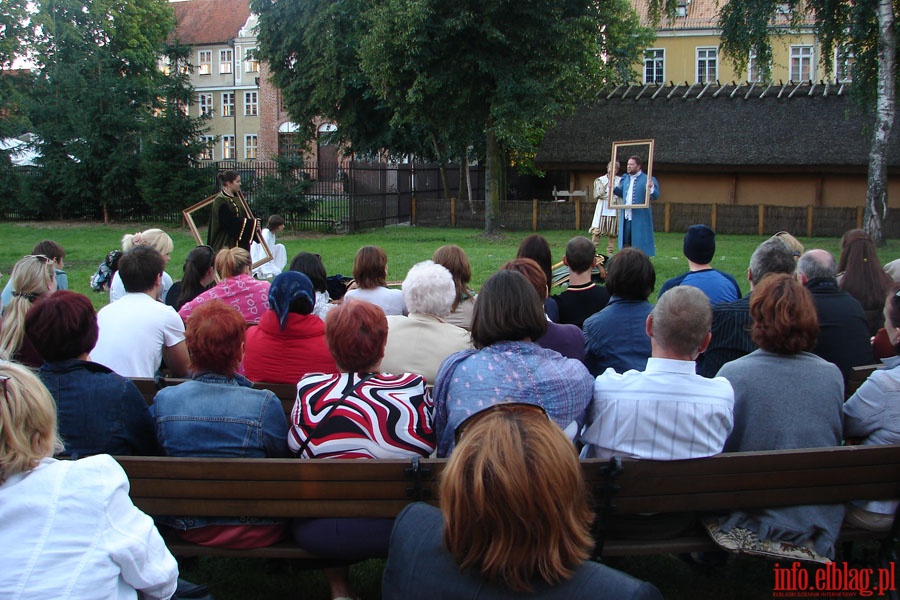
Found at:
(762, 219)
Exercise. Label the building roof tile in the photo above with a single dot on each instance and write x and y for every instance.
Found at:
(201, 22)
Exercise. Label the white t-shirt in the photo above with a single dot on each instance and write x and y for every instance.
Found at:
(117, 288)
(70, 531)
(133, 332)
(390, 301)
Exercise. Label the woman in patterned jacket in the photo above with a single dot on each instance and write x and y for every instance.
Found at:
(358, 413)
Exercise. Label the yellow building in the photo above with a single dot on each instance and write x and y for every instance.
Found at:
(221, 34)
(687, 50)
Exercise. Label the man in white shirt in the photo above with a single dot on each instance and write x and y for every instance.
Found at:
(137, 332)
(666, 412)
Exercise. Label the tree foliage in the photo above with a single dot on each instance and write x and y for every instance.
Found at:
(437, 77)
(864, 29)
(13, 113)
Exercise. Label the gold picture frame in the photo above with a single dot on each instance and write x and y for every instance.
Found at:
(629, 148)
(257, 235)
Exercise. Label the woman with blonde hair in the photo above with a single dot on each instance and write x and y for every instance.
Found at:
(106, 548)
(155, 238)
(32, 277)
(237, 287)
(370, 274)
(514, 519)
(454, 259)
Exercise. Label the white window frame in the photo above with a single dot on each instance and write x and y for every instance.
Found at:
(658, 58)
(228, 148)
(843, 64)
(205, 102)
(226, 61)
(251, 65)
(705, 55)
(228, 106)
(209, 149)
(251, 146)
(802, 54)
(204, 62)
(251, 104)
(753, 65)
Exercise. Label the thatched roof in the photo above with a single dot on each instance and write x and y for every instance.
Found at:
(789, 127)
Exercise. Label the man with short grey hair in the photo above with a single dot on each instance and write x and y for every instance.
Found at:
(666, 412)
(843, 329)
(731, 320)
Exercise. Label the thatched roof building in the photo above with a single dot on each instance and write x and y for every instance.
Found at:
(734, 128)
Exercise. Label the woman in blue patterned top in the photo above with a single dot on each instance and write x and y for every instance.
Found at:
(507, 365)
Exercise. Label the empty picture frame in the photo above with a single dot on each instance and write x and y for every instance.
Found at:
(620, 152)
(257, 235)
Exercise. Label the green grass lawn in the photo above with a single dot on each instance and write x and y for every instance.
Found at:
(86, 245)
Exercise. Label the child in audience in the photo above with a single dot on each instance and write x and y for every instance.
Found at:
(270, 269)
(55, 253)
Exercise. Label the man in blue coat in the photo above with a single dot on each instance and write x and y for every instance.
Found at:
(636, 225)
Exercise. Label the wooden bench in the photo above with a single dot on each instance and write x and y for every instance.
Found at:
(286, 392)
(380, 488)
(858, 376)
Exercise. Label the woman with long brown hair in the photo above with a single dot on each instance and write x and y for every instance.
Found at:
(860, 274)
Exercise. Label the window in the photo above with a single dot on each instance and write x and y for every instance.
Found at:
(206, 104)
(228, 147)
(654, 66)
(250, 143)
(288, 145)
(251, 65)
(843, 64)
(227, 104)
(204, 62)
(801, 63)
(707, 64)
(226, 57)
(753, 73)
(208, 143)
(250, 104)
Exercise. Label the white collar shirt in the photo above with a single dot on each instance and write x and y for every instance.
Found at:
(666, 412)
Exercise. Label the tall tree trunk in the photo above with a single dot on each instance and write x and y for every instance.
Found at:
(876, 194)
(441, 167)
(492, 182)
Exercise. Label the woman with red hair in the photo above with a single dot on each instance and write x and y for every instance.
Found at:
(359, 413)
(217, 414)
(785, 398)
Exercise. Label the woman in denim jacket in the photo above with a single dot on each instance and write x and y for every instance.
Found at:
(217, 414)
(100, 412)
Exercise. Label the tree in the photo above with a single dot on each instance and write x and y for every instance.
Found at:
(13, 117)
(427, 75)
(865, 29)
(170, 177)
(96, 87)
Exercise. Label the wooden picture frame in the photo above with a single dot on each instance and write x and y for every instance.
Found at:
(257, 235)
(629, 148)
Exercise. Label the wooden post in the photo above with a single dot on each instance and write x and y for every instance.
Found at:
(762, 218)
(577, 213)
(452, 212)
(712, 216)
(809, 220)
(412, 211)
(859, 216)
(667, 218)
(534, 214)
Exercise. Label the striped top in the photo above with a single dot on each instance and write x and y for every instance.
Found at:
(382, 416)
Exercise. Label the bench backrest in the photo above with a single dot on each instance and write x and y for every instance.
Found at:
(380, 488)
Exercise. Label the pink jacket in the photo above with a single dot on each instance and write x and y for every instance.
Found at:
(248, 295)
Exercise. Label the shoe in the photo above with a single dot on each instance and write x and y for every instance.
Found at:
(188, 590)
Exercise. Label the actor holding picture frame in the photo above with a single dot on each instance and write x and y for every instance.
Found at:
(632, 198)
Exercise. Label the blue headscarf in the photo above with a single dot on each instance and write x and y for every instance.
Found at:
(286, 288)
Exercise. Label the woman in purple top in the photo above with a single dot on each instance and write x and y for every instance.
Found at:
(507, 366)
